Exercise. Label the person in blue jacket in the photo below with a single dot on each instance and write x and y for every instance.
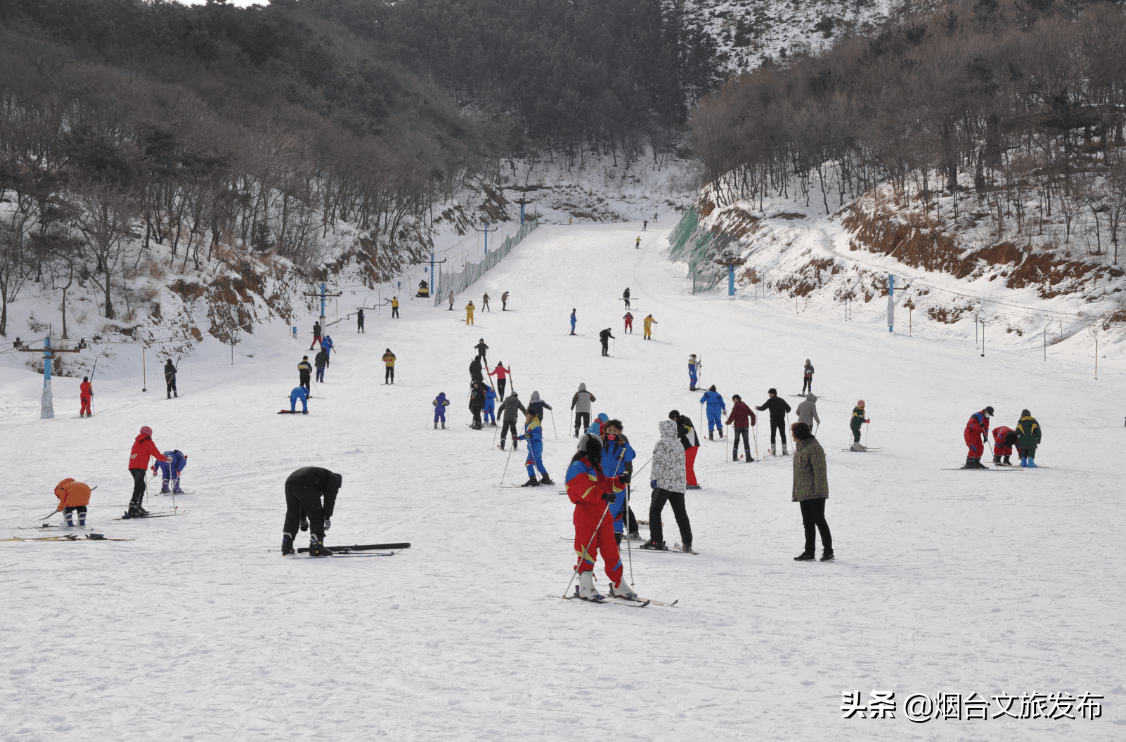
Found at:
(533, 433)
(440, 405)
(693, 371)
(299, 392)
(715, 409)
(326, 346)
(617, 458)
(573, 321)
(490, 414)
(170, 470)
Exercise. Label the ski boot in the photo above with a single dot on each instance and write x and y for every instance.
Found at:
(772, 453)
(444, 425)
(435, 425)
(586, 589)
(532, 482)
(977, 463)
(317, 547)
(711, 435)
(827, 555)
(502, 444)
(1006, 462)
(287, 544)
(1032, 464)
(654, 546)
(996, 460)
(177, 491)
(69, 517)
(515, 444)
(633, 536)
(164, 489)
(304, 523)
(622, 590)
(784, 451)
(805, 556)
(546, 480)
(720, 431)
(684, 547)
(81, 518)
(749, 459)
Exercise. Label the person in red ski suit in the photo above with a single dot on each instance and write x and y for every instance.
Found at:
(629, 323)
(1004, 438)
(592, 492)
(86, 394)
(502, 377)
(143, 448)
(976, 436)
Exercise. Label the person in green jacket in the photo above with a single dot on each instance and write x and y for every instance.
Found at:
(811, 490)
(858, 419)
(1028, 438)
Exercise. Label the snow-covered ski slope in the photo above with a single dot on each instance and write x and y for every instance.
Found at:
(954, 582)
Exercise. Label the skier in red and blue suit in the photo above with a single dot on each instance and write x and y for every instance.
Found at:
(617, 458)
(976, 436)
(1004, 438)
(593, 492)
(533, 433)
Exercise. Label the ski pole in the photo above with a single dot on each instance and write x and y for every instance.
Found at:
(48, 517)
(629, 546)
(729, 438)
(553, 430)
(506, 468)
(754, 430)
(638, 471)
(587, 549)
(701, 416)
(495, 429)
(866, 435)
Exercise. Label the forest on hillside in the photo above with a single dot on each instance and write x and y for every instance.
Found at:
(201, 131)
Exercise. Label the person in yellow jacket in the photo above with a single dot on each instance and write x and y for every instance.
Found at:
(469, 312)
(394, 307)
(73, 498)
(649, 322)
(389, 372)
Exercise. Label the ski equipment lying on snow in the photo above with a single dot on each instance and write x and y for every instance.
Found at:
(69, 537)
(127, 516)
(357, 547)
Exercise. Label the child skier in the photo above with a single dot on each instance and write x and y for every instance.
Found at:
(694, 367)
(617, 458)
(440, 404)
(691, 443)
(299, 392)
(742, 418)
(629, 324)
(573, 321)
(86, 396)
(490, 406)
(976, 435)
(807, 378)
(389, 370)
(668, 485)
(73, 499)
(857, 420)
(170, 470)
(1004, 438)
(715, 407)
(142, 449)
(588, 488)
(1028, 438)
(649, 322)
(533, 433)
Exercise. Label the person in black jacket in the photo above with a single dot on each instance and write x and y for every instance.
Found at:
(303, 491)
(476, 403)
(686, 432)
(481, 348)
(475, 370)
(321, 361)
(779, 408)
(605, 337)
(170, 378)
(304, 370)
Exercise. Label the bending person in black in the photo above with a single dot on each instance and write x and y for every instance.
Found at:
(303, 491)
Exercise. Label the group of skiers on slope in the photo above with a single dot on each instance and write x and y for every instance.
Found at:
(470, 308)
(86, 390)
(483, 397)
(303, 392)
(170, 464)
(647, 323)
(1025, 437)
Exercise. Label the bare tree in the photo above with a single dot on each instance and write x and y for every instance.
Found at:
(104, 220)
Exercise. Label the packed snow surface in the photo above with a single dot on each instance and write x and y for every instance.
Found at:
(962, 582)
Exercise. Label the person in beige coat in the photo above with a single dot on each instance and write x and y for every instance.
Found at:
(811, 490)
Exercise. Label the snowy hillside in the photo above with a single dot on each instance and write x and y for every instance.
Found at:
(990, 583)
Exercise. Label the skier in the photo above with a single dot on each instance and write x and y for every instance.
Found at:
(490, 403)
(858, 419)
(476, 403)
(440, 404)
(451, 301)
(742, 418)
(360, 321)
(304, 489)
(811, 489)
(588, 488)
(469, 312)
(533, 433)
(394, 307)
(86, 396)
(604, 337)
(537, 405)
(649, 322)
(299, 392)
(637, 245)
(573, 320)
(807, 410)
(73, 499)
(807, 382)
(617, 458)
(304, 371)
(625, 296)
(481, 348)
(328, 348)
(508, 410)
(502, 375)
(170, 378)
(143, 448)
(321, 361)
(778, 409)
(504, 302)
(691, 443)
(976, 436)
(668, 483)
(694, 367)
(629, 323)
(316, 334)
(170, 471)
(644, 225)
(485, 303)
(1004, 438)
(389, 370)
(1028, 438)
(475, 370)
(580, 403)
(715, 408)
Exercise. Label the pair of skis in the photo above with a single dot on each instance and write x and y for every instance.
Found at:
(358, 550)
(68, 537)
(127, 516)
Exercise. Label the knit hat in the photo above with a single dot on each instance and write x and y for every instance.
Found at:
(860, 404)
(146, 430)
(1025, 413)
(603, 416)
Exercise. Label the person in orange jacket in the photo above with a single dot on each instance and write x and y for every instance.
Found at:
(143, 448)
(73, 498)
(86, 392)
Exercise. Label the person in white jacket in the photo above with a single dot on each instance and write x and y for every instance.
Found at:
(668, 485)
